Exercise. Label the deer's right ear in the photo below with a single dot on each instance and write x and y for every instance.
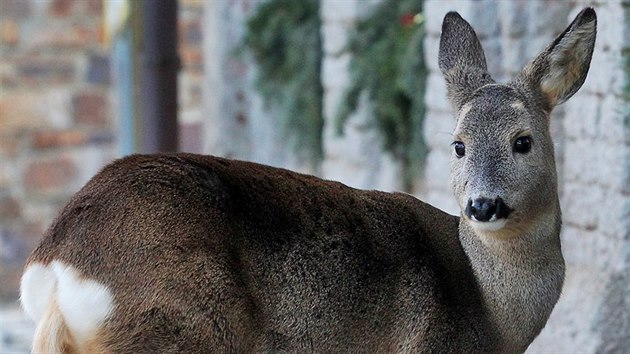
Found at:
(461, 60)
(560, 70)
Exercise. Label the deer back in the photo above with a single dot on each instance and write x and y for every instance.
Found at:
(202, 252)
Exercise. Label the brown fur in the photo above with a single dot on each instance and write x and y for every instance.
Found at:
(246, 265)
(204, 254)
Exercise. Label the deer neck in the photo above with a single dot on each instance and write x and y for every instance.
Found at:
(520, 277)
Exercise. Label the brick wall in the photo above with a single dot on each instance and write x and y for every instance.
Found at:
(56, 129)
(55, 117)
(57, 120)
(191, 117)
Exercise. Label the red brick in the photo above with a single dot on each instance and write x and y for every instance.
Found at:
(64, 36)
(93, 7)
(18, 112)
(15, 8)
(61, 8)
(31, 231)
(8, 79)
(191, 57)
(189, 32)
(98, 71)
(90, 109)
(42, 71)
(35, 229)
(9, 32)
(190, 137)
(11, 145)
(49, 176)
(10, 280)
(9, 208)
(56, 139)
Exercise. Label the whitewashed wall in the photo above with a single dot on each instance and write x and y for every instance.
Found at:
(355, 157)
(592, 152)
(592, 142)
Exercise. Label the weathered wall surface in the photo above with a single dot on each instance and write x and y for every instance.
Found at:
(355, 157)
(593, 314)
(58, 123)
(591, 139)
(56, 127)
(237, 123)
(592, 151)
(56, 130)
(57, 112)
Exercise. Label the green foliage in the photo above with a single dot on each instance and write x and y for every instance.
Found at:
(388, 64)
(284, 38)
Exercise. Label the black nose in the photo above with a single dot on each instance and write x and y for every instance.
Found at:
(483, 209)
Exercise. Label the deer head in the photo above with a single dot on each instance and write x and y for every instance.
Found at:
(503, 172)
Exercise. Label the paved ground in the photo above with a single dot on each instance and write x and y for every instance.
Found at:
(16, 330)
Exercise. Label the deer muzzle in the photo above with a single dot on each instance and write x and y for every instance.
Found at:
(486, 209)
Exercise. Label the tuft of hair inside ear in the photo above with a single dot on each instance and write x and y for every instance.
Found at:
(568, 62)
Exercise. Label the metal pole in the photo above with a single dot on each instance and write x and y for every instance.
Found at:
(158, 85)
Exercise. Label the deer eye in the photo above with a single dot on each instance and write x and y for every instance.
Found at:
(523, 144)
(460, 148)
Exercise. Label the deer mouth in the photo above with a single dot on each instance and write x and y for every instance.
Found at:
(488, 226)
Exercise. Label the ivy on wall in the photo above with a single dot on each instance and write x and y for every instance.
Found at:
(284, 38)
(388, 65)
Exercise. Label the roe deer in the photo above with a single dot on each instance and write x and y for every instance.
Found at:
(186, 253)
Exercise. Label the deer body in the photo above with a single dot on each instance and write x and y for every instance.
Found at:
(188, 253)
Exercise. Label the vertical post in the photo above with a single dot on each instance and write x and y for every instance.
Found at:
(158, 85)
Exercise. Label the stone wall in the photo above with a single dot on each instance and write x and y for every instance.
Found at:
(239, 125)
(190, 81)
(57, 113)
(594, 311)
(592, 151)
(356, 157)
(56, 129)
(591, 140)
(237, 122)
(55, 118)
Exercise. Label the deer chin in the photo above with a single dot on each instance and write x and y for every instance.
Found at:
(497, 229)
(490, 226)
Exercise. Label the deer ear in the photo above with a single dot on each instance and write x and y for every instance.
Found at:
(461, 60)
(560, 70)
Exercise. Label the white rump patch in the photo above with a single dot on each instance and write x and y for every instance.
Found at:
(36, 290)
(83, 303)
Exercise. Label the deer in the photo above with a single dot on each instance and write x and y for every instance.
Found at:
(186, 253)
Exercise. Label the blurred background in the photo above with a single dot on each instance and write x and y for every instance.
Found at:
(343, 89)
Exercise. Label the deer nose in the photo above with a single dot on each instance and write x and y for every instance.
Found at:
(484, 209)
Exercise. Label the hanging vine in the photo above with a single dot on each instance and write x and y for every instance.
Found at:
(388, 65)
(284, 38)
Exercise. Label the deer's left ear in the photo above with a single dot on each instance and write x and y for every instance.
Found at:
(560, 70)
(461, 60)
